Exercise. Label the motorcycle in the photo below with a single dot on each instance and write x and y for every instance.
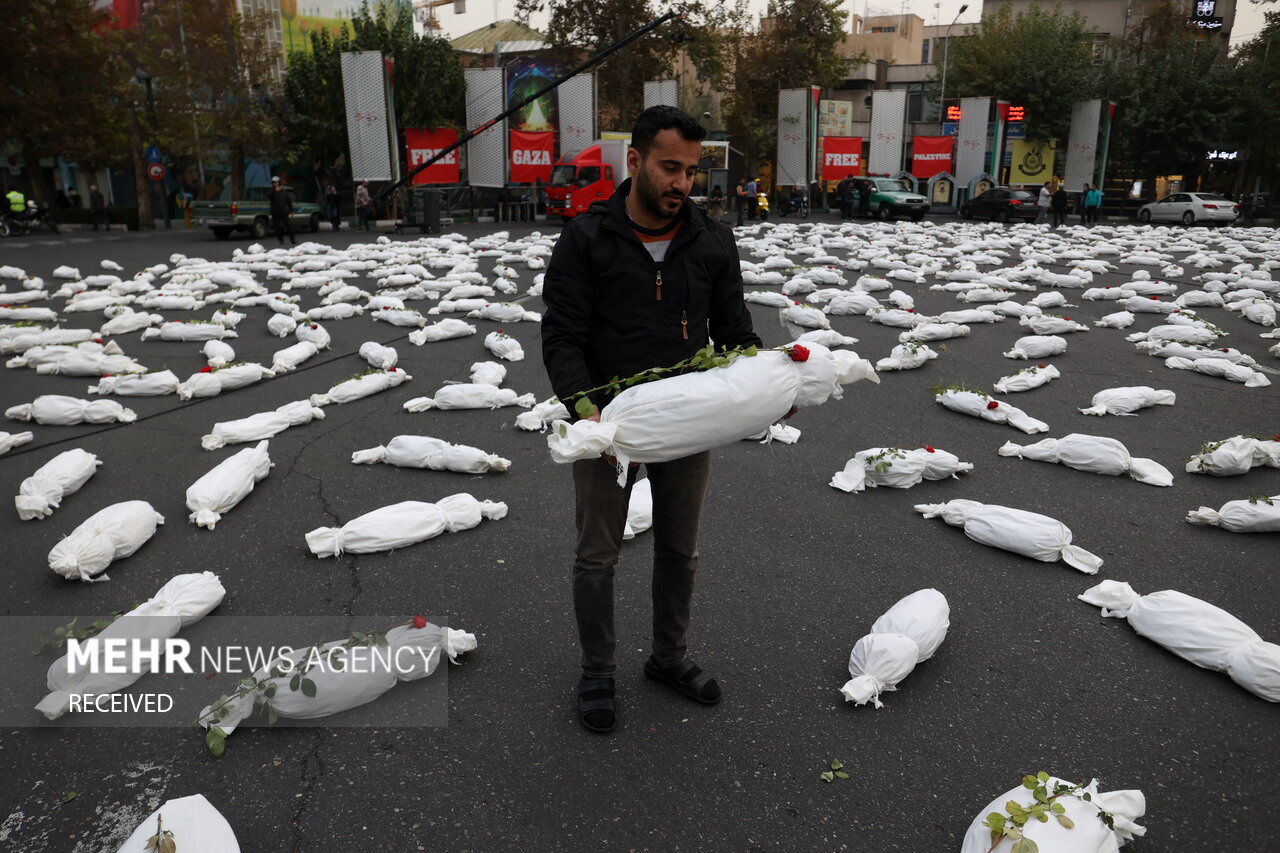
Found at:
(18, 223)
(797, 205)
(762, 207)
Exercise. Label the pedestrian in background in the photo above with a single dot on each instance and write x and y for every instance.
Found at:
(1092, 204)
(281, 211)
(364, 206)
(1058, 206)
(752, 191)
(73, 196)
(332, 208)
(715, 203)
(844, 192)
(1045, 200)
(740, 198)
(864, 198)
(98, 208)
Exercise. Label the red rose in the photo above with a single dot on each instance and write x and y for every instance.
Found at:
(1275, 438)
(797, 303)
(391, 370)
(108, 375)
(993, 405)
(799, 353)
(911, 310)
(419, 621)
(206, 369)
(1226, 349)
(1154, 298)
(314, 326)
(1041, 366)
(1066, 318)
(928, 448)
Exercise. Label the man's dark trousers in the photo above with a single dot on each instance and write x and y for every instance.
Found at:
(678, 488)
(283, 227)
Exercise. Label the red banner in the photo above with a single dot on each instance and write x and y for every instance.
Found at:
(930, 155)
(423, 143)
(532, 154)
(841, 157)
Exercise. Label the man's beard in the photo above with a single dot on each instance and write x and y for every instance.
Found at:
(650, 198)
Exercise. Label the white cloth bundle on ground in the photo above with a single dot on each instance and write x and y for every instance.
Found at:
(1221, 368)
(36, 315)
(380, 356)
(314, 333)
(470, 395)
(934, 332)
(906, 634)
(488, 373)
(896, 317)
(228, 317)
(183, 601)
(1118, 320)
(421, 451)
(1261, 312)
(155, 384)
(828, 338)
(639, 509)
(24, 338)
(1096, 454)
(281, 325)
(403, 317)
(805, 316)
(1148, 305)
(682, 415)
(504, 346)
(109, 534)
(851, 303)
(449, 306)
(1048, 324)
(10, 440)
(1199, 299)
(288, 359)
(1251, 515)
(766, 297)
(192, 331)
(218, 353)
(196, 825)
(1027, 378)
(262, 425)
(57, 410)
(82, 361)
(1037, 346)
(1174, 332)
(410, 654)
(506, 312)
(441, 331)
(1168, 349)
(906, 356)
(897, 468)
(1197, 631)
(1128, 399)
(129, 321)
(1236, 455)
(226, 484)
(542, 415)
(1027, 533)
(210, 382)
(981, 406)
(42, 492)
(339, 311)
(1087, 834)
(401, 524)
(361, 386)
(776, 432)
(969, 316)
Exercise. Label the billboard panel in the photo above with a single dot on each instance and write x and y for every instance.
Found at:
(423, 143)
(368, 119)
(487, 151)
(888, 118)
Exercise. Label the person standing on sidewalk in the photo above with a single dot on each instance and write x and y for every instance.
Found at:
(642, 280)
(332, 205)
(1045, 201)
(752, 202)
(281, 211)
(364, 206)
(844, 192)
(864, 198)
(98, 208)
(1058, 206)
(740, 198)
(1092, 204)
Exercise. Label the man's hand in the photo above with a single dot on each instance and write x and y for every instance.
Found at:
(595, 416)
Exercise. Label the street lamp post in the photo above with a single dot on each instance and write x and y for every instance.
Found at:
(946, 57)
(146, 79)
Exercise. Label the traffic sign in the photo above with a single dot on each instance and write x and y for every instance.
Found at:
(153, 154)
(156, 171)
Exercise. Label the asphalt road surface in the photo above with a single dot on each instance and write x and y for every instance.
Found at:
(793, 572)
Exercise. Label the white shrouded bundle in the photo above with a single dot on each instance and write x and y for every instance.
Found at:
(313, 333)
(218, 353)
(36, 315)
(1027, 533)
(1047, 324)
(934, 332)
(338, 311)
(1174, 332)
(421, 451)
(1096, 454)
(210, 382)
(84, 362)
(42, 492)
(981, 406)
(1196, 630)
(639, 509)
(506, 312)
(1221, 368)
(1037, 346)
(1025, 380)
(403, 524)
(897, 468)
(488, 373)
(896, 317)
(411, 654)
(470, 395)
(362, 386)
(1088, 834)
(129, 321)
(1127, 400)
(404, 317)
(196, 825)
(262, 425)
(189, 332)
(226, 484)
(766, 297)
(288, 359)
(504, 346)
(183, 601)
(1148, 305)
(908, 633)
(382, 357)
(154, 384)
(1118, 320)
(682, 415)
(907, 356)
(1236, 455)
(57, 410)
(10, 440)
(109, 534)
(805, 316)
(1168, 349)
(1251, 515)
(969, 316)
(441, 331)
(542, 416)
(851, 303)
(780, 433)
(828, 338)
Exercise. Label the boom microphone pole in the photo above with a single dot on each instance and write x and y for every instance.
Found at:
(611, 49)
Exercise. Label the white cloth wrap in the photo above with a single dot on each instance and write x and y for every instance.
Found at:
(262, 425)
(421, 451)
(226, 484)
(441, 331)
(1037, 346)
(196, 825)
(57, 410)
(1096, 454)
(1088, 835)
(907, 633)
(1027, 533)
(1127, 400)
(1024, 381)
(361, 386)
(639, 509)
(1241, 516)
(109, 534)
(402, 524)
(976, 405)
(42, 492)
(470, 395)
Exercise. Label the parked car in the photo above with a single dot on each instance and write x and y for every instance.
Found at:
(890, 198)
(1002, 204)
(1190, 208)
(252, 214)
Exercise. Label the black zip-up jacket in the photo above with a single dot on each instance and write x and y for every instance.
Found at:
(613, 311)
(281, 202)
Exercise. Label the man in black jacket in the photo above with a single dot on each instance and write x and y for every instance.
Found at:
(642, 280)
(281, 210)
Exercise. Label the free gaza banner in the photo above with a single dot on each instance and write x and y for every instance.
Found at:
(532, 154)
(423, 143)
(841, 156)
(930, 155)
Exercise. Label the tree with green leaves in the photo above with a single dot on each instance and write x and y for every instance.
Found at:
(1256, 124)
(428, 84)
(1041, 59)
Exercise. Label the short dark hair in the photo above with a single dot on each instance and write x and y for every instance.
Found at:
(655, 119)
